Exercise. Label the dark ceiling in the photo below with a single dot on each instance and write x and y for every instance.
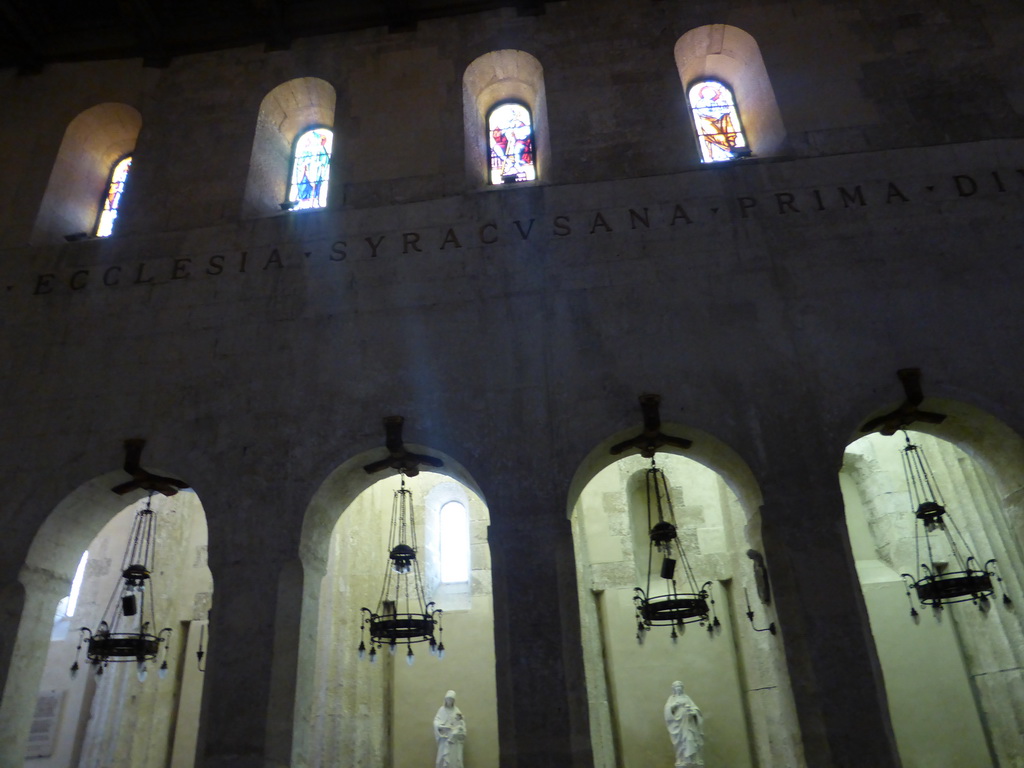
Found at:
(34, 33)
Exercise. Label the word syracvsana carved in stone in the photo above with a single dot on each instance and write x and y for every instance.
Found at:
(671, 217)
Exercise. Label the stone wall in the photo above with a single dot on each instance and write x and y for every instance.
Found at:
(769, 301)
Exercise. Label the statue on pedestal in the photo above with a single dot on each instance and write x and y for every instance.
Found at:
(685, 728)
(450, 732)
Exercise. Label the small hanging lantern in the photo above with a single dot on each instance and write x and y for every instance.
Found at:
(402, 615)
(125, 632)
(949, 572)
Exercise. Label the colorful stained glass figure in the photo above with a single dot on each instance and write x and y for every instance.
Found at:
(510, 132)
(111, 203)
(311, 169)
(718, 123)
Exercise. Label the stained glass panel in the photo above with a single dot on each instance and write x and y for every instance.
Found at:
(717, 121)
(510, 131)
(112, 201)
(311, 169)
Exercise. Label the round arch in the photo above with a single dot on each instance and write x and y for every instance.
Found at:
(728, 53)
(94, 140)
(706, 450)
(286, 111)
(343, 703)
(978, 464)
(88, 517)
(740, 674)
(492, 78)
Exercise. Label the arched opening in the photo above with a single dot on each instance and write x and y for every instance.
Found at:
(93, 143)
(381, 713)
(114, 719)
(727, 54)
(735, 675)
(491, 85)
(287, 113)
(961, 665)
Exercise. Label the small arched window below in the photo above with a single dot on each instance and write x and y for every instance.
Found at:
(717, 122)
(510, 135)
(454, 543)
(112, 201)
(311, 169)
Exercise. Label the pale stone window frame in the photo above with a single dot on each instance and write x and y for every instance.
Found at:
(94, 141)
(732, 57)
(452, 595)
(494, 78)
(67, 605)
(286, 112)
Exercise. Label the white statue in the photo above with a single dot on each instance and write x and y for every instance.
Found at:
(450, 732)
(685, 728)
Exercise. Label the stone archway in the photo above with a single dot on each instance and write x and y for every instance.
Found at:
(380, 714)
(95, 725)
(736, 673)
(961, 665)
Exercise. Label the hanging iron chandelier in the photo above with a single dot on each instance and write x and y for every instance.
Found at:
(402, 615)
(678, 601)
(126, 630)
(949, 571)
(669, 604)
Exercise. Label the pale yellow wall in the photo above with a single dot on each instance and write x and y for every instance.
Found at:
(629, 682)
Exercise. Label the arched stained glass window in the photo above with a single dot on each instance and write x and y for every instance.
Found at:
(311, 169)
(454, 543)
(510, 133)
(111, 203)
(717, 122)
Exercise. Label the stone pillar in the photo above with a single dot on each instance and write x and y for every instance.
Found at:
(249, 635)
(834, 670)
(29, 638)
(542, 698)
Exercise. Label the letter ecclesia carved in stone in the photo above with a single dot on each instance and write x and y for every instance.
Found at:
(626, 221)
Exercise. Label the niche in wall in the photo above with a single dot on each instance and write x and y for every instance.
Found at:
(93, 141)
(736, 676)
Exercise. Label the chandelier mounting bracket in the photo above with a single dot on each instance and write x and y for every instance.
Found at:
(399, 457)
(651, 438)
(908, 411)
(143, 479)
